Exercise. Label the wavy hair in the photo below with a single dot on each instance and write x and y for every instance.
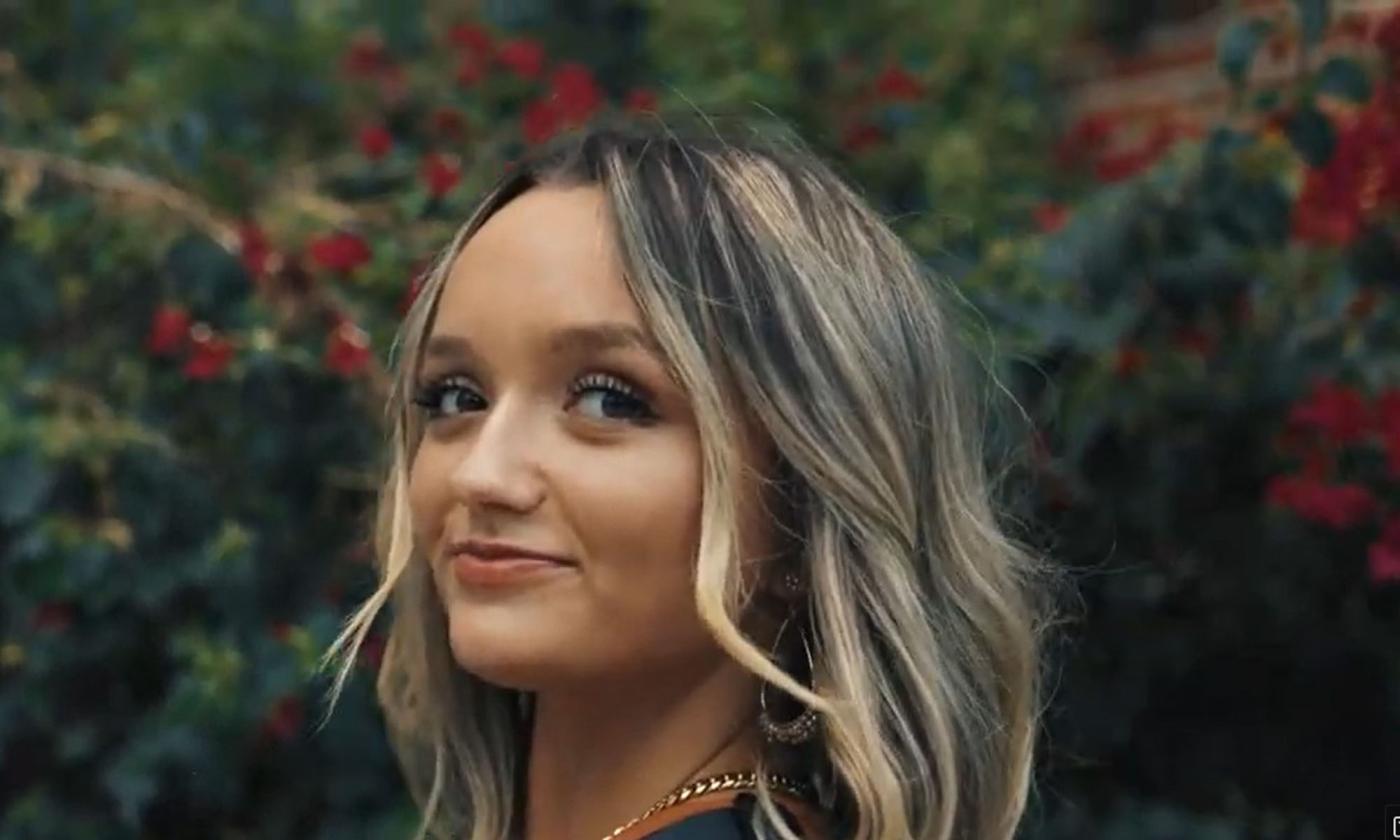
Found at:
(772, 285)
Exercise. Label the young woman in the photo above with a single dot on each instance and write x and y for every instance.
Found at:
(686, 530)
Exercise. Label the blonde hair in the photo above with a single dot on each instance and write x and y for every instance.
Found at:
(771, 285)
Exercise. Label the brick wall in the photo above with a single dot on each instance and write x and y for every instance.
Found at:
(1171, 75)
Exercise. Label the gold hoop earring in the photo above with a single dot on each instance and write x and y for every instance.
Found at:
(800, 728)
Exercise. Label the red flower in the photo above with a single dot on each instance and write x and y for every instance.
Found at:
(1339, 506)
(1385, 411)
(574, 93)
(1094, 130)
(1392, 451)
(896, 83)
(284, 719)
(448, 122)
(473, 38)
(1088, 136)
(1338, 412)
(1130, 360)
(539, 122)
(640, 101)
(170, 328)
(1362, 175)
(1162, 137)
(1326, 212)
(366, 56)
(347, 350)
(1193, 339)
(51, 617)
(470, 70)
(1323, 227)
(524, 57)
(1387, 35)
(1121, 166)
(1089, 141)
(440, 173)
(343, 252)
(1050, 216)
(860, 136)
(375, 141)
(212, 354)
(1383, 556)
(254, 249)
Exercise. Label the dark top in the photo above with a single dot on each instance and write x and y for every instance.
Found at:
(730, 823)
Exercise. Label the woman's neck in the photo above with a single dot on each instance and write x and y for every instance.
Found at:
(600, 757)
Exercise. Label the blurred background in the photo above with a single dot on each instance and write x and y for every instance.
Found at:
(1179, 220)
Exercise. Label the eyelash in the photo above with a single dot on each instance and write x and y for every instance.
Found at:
(429, 395)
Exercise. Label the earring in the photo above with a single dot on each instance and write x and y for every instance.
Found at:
(802, 727)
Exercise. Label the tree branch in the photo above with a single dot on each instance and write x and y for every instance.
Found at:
(127, 184)
(131, 185)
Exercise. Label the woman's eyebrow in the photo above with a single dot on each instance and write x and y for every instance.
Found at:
(576, 339)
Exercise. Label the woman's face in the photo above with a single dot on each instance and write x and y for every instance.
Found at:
(583, 449)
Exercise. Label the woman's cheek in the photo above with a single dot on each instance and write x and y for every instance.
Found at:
(428, 497)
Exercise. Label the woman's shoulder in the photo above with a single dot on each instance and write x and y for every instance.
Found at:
(729, 823)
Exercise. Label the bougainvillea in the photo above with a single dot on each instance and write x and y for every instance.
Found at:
(375, 141)
(342, 252)
(1210, 358)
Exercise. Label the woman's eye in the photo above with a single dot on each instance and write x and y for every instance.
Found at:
(612, 398)
(437, 397)
(616, 395)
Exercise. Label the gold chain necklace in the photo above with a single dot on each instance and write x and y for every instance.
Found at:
(709, 784)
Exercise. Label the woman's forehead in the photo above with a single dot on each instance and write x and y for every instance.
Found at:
(548, 251)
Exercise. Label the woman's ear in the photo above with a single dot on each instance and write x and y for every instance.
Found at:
(784, 585)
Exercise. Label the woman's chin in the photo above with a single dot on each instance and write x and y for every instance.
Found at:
(518, 660)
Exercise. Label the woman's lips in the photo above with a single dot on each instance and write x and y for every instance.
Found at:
(474, 571)
(492, 550)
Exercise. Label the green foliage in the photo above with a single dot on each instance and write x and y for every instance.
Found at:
(1313, 18)
(1343, 78)
(1238, 44)
(1215, 382)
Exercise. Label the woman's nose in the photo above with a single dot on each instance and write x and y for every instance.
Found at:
(499, 465)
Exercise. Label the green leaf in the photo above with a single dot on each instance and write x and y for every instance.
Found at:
(31, 295)
(132, 788)
(25, 482)
(211, 280)
(1238, 44)
(1267, 100)
(78, 741)
(1311, 133)
(1344, 78)
(1313, 16)
(1375, 258)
